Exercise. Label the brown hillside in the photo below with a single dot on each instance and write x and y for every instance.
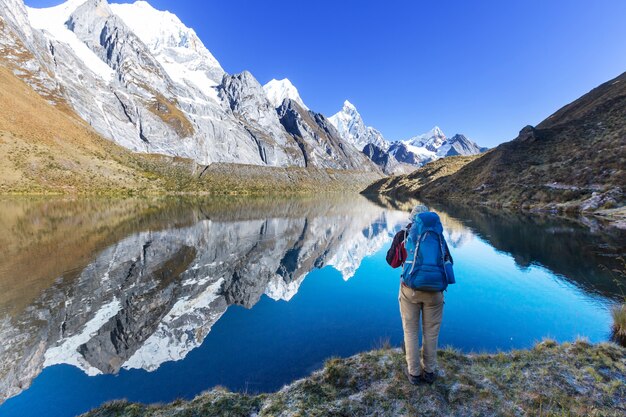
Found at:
(574, 160)
(408, 184)
(48, 148)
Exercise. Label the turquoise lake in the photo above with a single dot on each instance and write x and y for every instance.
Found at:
(157, 299)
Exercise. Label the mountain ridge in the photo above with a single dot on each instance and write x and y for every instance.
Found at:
(400, 156)
(144, 80)
(47, 148)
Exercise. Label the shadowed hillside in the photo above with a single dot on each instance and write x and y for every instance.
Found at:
(574, 160)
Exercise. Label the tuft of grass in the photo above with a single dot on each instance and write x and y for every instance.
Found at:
(336, 372)
(618, 330)
(382, 343)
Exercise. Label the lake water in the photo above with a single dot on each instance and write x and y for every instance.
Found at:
(157, 299)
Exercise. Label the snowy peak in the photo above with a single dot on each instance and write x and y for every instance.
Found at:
(432, 139)
(349, 107)
(154, 27)
(176, 46)
(352, 128)
(459, 144)
(436, 131)
(432, 145)
(279, 90)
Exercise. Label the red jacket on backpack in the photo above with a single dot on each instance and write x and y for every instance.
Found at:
(396, 255)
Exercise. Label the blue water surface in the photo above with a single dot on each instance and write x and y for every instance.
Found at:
(495, 305)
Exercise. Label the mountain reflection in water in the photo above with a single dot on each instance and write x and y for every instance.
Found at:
(107, 285)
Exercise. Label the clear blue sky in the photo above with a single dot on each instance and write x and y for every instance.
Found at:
(483, 68)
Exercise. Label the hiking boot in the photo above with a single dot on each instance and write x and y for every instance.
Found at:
(427, 377)
(414, 380)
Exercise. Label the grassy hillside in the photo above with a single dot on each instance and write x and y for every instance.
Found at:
(47, 148)
(575, 160)
(409, 184)
(573, 379)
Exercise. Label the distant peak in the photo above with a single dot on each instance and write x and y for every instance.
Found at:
(279, 90)
(349, 106)
(436, 131)
(142, 3)
(283, 83)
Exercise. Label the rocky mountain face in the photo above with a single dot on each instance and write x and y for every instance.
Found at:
(399, 157)
(153, 295)
(144, 80)
(318, 139)
(387, 162)
(572, 161)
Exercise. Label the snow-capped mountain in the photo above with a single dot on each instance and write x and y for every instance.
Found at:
(173, 44)
(279, 90)
(352, 128)
(432, 145)
(411, 154)
(400, 156)
(143, 79)
(431, 140)
(459, 145)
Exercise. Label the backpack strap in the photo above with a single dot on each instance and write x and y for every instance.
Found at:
(448, 254)
(417, 249)
(443, 253)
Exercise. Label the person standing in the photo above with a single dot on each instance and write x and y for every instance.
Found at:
(426, 263)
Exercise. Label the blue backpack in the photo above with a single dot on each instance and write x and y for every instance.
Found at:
(428, 265)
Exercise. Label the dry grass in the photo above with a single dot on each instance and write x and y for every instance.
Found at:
(573, 161)
(619, 323)
(44, 148)
(409, 184)
(168, 111)
(560, 164)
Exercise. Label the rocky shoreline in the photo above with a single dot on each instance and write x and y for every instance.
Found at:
(574, 379)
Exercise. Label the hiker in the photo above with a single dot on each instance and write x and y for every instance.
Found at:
(426, 263)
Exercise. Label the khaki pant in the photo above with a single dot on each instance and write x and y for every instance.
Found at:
(430, 306)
